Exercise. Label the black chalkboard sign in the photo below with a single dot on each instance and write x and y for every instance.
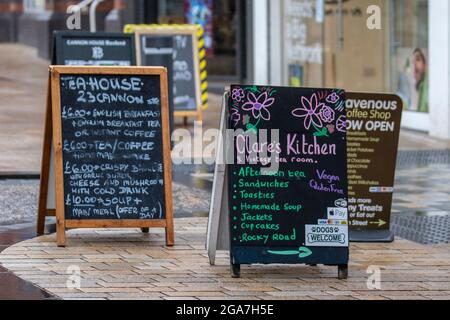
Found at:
(288, 179)
(112, 159)
(75, 48)
(111, 148)
(158, 51)
(184, 69)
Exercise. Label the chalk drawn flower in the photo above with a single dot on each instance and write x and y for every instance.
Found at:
(310, 110)
(331, 128)
(327, 114)
(259, 105)
(333, 98)
(238, 94)
(235, 116)
(341, 124)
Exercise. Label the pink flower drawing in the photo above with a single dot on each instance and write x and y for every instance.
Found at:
(341, 124)
(259, 105)
(238, 94)
(331, 128)
(310, 110)
(333, 98)
(327, 114)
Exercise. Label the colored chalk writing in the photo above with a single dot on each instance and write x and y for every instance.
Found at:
(290, 168)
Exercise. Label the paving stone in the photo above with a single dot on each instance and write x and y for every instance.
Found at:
(131, 265)
(181, 298)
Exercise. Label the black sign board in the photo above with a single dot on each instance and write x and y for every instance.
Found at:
(111, 148)
(76, 48)
(288, 192)
(184, 72)
(158, 51)
(152, 48)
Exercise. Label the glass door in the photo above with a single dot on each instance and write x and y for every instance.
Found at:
(303, 36)
(356, 56)
(409, 72)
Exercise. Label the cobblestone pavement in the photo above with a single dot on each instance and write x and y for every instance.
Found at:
(421, 205)
(126, 264)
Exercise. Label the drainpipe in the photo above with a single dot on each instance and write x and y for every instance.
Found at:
(92, 18)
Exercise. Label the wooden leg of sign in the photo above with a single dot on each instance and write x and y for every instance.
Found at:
(170, 238)
(45, 164)
(60, 233)
(145, 230)
(185, 121)
(343, 272)
(235, 270)
(58, 161)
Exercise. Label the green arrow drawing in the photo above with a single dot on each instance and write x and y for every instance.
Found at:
(380, 223)
(302, 252)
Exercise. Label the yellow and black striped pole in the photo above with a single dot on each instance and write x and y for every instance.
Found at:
(203, 71)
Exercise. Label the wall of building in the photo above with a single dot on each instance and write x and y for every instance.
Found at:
(34, 26)
(364, 60)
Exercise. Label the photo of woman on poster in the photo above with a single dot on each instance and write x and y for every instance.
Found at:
(413, 83)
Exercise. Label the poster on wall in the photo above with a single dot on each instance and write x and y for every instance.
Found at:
(412, 82)
(201, 12)
(295, 75)
(303, 30)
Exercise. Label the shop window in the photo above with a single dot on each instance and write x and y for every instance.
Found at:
(220, 21)
(410, 53)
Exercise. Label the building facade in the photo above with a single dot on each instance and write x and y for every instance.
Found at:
(391, 46)
(32, 22)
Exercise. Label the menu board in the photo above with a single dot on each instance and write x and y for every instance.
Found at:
(373, 135)
(158, 51)
(288, 177)
(184, 73)
(75, 48)
(112, 147)
(187, 66)
(154, 50)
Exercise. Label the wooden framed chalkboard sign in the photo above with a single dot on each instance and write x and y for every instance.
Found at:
(111, 149)
(287, 183)
(188, 65)
(77, 48)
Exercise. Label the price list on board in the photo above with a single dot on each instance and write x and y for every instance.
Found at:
(112, 147)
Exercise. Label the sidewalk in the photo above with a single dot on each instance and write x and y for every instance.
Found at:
(126, 264)
(23, 89)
